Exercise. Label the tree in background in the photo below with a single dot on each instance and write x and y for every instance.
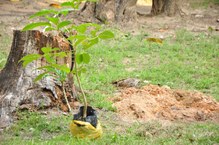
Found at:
(118, 10)
(168, 7)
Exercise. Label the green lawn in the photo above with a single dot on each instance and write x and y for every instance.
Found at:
(35, 128)
(188, 61)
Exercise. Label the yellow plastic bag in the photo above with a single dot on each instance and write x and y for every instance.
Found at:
(83, 129)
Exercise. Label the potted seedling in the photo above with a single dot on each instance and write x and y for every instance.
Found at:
(80, 38)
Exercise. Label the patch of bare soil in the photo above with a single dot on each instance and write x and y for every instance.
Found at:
(154, 102)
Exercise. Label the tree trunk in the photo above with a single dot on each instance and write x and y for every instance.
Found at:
(168, 7)
(110, 10)
(17, 88)
(125, 10)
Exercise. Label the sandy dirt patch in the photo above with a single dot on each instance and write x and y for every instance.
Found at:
(155, 102)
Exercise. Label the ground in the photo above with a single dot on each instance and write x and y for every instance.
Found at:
(153, 102)
(179, 108)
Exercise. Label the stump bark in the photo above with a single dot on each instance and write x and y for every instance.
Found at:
(167, 7)
(17, 87)
(110, 10)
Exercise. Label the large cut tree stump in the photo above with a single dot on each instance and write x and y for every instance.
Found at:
(17, 88)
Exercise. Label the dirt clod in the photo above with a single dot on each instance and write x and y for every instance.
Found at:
(155, 102)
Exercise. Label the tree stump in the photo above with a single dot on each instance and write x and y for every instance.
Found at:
(17, 86)
(167, 7)
(125, 10)
(110, 10)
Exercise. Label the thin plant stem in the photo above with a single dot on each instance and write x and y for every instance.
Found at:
(78, 79)
(66, 99)
(79, 84)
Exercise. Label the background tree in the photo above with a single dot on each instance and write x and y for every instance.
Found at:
(119, 10)
(110, 10)
(168, 7)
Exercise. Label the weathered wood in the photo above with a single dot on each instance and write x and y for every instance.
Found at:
(110, 10)
(17, 88)
(167, 7)
(125, 10)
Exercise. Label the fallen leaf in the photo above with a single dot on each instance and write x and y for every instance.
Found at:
(156, 40)
(55, 5)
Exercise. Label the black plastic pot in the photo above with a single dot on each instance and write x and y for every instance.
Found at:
(91, 116)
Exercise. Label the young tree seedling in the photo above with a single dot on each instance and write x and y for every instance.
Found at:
(80, 38)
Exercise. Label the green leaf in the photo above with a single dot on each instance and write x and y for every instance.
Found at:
(80, 71)
(46, 49)
(42, 13)
(86, 58)
(58, 68)
(54, 20)
(74, 4)
(79, 58)
(88, 43)
(49, 58)
(71, 38)
(106, 35)
(50, 29)
(41, 76)
(94, 33)
(82, 28)
(60, 54)
(64, 68)
(46, 67)
(29, 58)
(34, 25)
(63, 24)
(66, 11)
(97, 26)
(79, 39)
(83, 58)
(61, 75)
(67, 4)
(49, 49)
(94, 41)
(26, 62)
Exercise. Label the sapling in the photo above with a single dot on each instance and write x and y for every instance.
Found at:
(79, 37)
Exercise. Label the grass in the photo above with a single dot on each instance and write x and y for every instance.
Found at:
(203, 3)
(5, 42)
(35, 128)
(187, 61)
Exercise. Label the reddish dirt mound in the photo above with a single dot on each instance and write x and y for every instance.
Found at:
(154, 102)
